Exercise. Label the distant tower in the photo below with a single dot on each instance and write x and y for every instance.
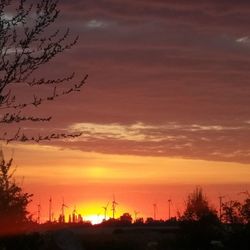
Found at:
(155, 210)
(105, 211)
(114, 204)
(50, 209)
(169, 208)
(63, 211)
(74, 215)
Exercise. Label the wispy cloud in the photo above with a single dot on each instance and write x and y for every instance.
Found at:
(243, 40)
(211, 142)
(135, 132)
(98, 24)
(144, 132)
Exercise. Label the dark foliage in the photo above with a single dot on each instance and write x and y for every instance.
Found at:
(199, 223)
(245, 211)
(14, 216)
(198, 208)
(232, 212)
(31, 241)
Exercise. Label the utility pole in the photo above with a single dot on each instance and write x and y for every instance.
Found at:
(74, 215)
(105, 211)
(63, 214)
(155, 210)
(114, 204)
(50, 209)
(169, 203)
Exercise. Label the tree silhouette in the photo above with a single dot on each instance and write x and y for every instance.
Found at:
(232, 212)
(28, 41)
(126, 219)
(13, 201)
(197, 207)
(199, 222)
(245, 211)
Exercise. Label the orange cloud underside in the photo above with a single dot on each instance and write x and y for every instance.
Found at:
(49, 164)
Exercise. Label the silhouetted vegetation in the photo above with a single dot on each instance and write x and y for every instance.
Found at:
(199, 223)
(27, 42)
(235, 212)
(199, 227)
(14, 216)
(198, 208)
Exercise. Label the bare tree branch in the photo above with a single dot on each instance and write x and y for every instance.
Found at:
(26, 43)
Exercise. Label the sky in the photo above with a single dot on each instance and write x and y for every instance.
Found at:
(165, 106)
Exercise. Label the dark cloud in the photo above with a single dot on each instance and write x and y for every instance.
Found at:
(158, 62)
(203, 15)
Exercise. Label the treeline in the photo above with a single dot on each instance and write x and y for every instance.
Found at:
(15, 216)
(200, 226)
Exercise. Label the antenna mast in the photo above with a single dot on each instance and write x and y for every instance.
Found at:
(114, 204)
(63, 214)
(50, 209)
(169, 203)
(105, 211)
(155, 210)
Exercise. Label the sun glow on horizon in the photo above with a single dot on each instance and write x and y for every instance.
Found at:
(92, 211)
(95, 219)
(88, 180)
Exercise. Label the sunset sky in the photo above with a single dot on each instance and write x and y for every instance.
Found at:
(165, 107)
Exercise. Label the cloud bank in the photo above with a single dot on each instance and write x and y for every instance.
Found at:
(168, 78)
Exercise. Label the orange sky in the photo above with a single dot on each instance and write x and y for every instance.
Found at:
(89, 180)
(165, 107)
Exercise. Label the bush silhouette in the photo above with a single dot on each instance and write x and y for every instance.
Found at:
(13, 202)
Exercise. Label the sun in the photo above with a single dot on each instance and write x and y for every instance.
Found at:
(94, 218)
